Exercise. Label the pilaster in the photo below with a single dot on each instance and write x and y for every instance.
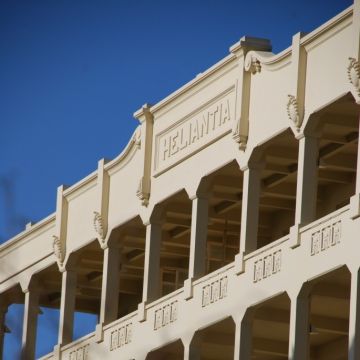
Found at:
(101, 213)
(59, 243)
(296, 99)
(146, 118)
(356, 29)
(240, 49)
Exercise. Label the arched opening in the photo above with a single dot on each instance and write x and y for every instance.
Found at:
(270, 329)
(88, 268)
(225, 199)
(329, 315)
(129, 239)
(215, 342)
(279, 165)
(338, 127)
(175, 244)
(173, 351)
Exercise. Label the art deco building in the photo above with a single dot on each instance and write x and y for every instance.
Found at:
(228, 228)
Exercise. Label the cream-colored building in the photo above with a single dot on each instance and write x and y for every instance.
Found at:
(228, 228)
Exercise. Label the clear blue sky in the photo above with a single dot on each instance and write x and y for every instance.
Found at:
(73, 72)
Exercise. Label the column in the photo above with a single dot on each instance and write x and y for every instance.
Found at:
(243, 338)
(198, 237)
(306, 189)
(110, 285)
(151, 286)
(354, 317)
(299, 326)
(250, 208)
(67, 307)
(31, 311)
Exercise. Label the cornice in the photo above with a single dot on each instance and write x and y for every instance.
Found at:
(40, 226)
(194, 82)
(333, 22)
(133, 144)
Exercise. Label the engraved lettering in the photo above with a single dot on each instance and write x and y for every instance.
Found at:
(166, 149)
(193, 131)
(174, 144)
(204, 125)
(183, 141)
(225, 116)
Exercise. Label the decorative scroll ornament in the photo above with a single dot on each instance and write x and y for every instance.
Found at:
(353, 71)
(292, 108)
(99, 226)
(137, 137)
(236, 135)
(142, 194)
(59, 250)
(252, 63)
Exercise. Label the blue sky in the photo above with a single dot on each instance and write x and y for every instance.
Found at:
(73, 72)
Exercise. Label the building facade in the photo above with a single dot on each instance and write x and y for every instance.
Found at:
(226, 229)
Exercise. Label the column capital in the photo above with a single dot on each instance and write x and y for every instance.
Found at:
(308, 135)
(300, 290)
(71, 263)
(253, 165)
(200, 195)
(30, 284)
(157, 216)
